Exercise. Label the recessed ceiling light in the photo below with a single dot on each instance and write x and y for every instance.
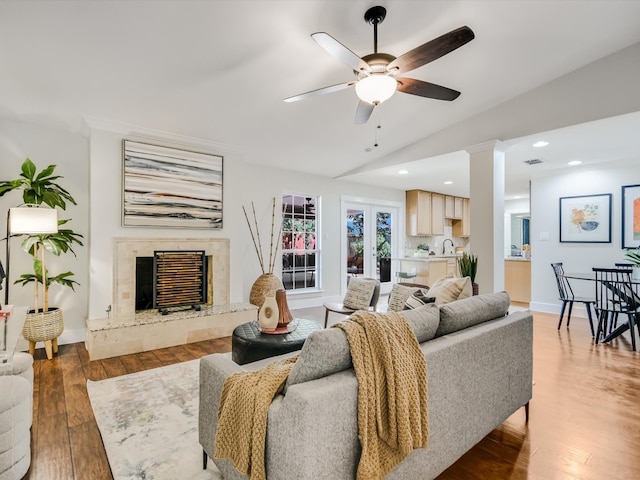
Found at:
(573, 163)
(540, 143)
(448, 182)
(403, 172)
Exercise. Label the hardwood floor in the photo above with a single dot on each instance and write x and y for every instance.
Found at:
(584, 423)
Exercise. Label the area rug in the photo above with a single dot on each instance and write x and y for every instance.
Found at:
(149, 424)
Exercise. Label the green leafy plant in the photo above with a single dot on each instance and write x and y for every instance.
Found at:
(633, 256)
(468, 265)
(38, 188)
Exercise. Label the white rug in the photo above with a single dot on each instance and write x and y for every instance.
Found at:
(149, 424)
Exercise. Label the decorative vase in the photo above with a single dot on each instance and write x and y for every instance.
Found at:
(268, 314)
(475, 288)
(284, 314)
(266, 284)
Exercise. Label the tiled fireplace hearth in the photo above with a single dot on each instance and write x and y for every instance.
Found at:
(128, 332)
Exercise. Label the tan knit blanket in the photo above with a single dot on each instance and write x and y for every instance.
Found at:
(392, 390)
(242, 416)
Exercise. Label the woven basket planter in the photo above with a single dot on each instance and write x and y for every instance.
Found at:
(266, 284)
(43, 326)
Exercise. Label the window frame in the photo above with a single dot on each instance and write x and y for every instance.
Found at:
(300, 221)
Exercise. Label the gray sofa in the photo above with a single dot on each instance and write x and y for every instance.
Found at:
(479, 372)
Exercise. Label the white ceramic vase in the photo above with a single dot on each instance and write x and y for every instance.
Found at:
(268, 314)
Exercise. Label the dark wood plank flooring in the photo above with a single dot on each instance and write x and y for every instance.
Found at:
(584, 425)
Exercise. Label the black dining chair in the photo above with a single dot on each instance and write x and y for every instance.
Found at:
(616, 294)
(567, 297)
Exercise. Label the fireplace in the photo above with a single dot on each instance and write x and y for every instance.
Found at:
(126, 331)
(131, 252)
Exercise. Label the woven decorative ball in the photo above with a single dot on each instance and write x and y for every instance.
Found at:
(43, 326)
(266, 284)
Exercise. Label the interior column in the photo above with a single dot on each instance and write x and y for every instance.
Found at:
(487, 176)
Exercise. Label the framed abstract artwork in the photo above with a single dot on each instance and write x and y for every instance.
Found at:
(170, 188)
(586, 219)
(631, 216)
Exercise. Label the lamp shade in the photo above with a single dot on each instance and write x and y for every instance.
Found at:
(376, 88)
(33, 220)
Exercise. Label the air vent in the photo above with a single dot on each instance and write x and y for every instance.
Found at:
(533, 161)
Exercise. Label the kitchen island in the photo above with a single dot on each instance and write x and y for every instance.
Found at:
(517, 278)
(427, 268)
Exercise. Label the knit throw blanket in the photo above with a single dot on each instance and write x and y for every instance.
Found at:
(242, 416)
(392, 390)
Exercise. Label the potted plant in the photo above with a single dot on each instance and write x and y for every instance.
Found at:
(468, 266)
(634, 257)
(38, 188)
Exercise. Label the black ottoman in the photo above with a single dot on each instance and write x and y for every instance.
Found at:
(249, 345)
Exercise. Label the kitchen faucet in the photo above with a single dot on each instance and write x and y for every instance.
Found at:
(443, 245)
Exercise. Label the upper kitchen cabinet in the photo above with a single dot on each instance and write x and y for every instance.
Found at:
(453, 207)
(418, 208)
(437, 213)
(461, 228)
(425, 213)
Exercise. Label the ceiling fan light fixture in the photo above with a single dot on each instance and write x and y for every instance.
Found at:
(376, 88)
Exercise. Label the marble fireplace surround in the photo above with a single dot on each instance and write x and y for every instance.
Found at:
(126, 331)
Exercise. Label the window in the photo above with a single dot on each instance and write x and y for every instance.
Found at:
(300, 249)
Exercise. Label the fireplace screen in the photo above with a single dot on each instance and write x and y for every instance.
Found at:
(179, 279)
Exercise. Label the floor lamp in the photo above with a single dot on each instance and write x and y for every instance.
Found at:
(27, 220)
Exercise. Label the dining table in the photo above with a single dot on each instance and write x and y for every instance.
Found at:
(621, 328)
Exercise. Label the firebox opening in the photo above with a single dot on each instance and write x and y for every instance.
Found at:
(144, 283)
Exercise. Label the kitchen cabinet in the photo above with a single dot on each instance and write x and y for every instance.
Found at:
(418, 211)
(517, 280)
(437, 270)
(461, 228)
(453, 207)
(437, 214)
(452, 267)
(427, 270)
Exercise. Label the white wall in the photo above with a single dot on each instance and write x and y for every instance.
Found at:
(48, 144)
(577, 257)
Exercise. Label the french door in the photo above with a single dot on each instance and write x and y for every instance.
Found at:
(371, 239)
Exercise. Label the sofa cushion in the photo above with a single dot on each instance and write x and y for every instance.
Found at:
(471, 311)
(398, 297)
(449, 289)
(327, 351)
(359, 293)
(418, 299)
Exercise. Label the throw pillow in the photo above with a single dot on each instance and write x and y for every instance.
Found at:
(359, 293)
(449, 289)
(398, 297)
(418, 299)
(472, 311)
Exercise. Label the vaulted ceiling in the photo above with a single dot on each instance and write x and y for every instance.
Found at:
(219, 71)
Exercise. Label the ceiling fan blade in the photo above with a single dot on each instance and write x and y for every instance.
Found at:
(432, 50)
(426, 89)
(320, 91)
(363, 112)
(339, 51)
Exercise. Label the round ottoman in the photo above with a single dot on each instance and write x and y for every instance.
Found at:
(15, 424)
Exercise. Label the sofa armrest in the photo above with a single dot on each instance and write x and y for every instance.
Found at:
(214, 370)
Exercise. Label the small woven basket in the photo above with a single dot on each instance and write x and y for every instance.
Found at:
(43, 326)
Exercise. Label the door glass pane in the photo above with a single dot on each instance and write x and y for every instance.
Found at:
(355, 243)
(383, 246)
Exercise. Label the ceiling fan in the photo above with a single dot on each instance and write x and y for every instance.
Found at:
(377, 73)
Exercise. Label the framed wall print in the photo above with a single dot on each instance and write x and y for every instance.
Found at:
(168, 187)
(631, 216)
(586, 219)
